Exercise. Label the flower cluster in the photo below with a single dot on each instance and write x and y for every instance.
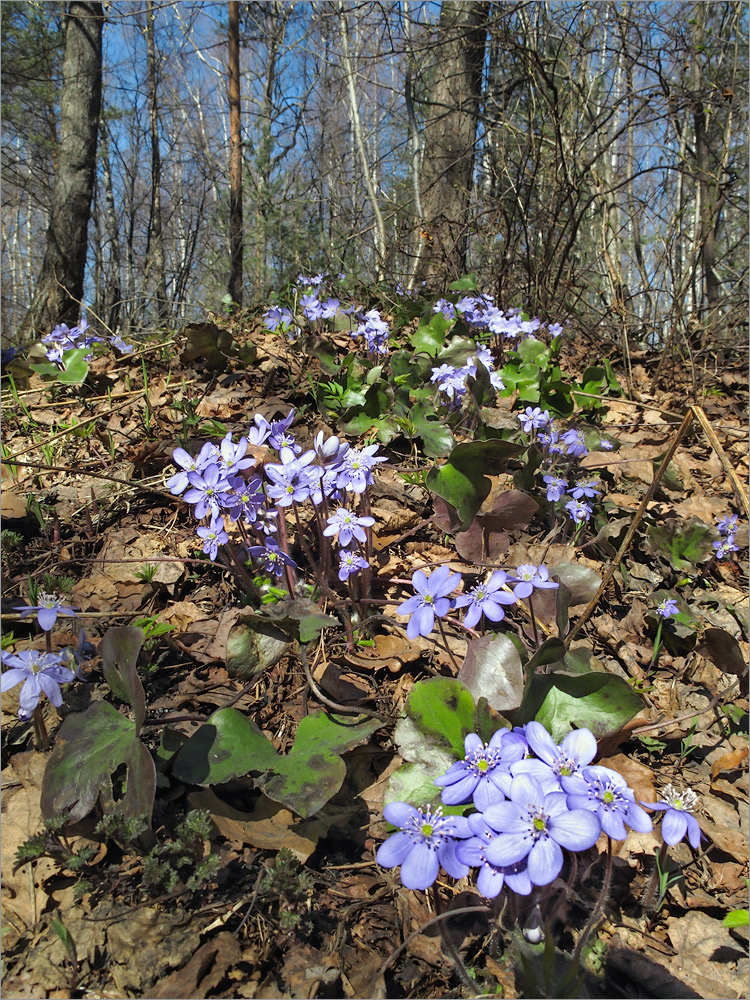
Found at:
(533, 799)
(727, 527)
(432, 598)
(375, 331)
(481, 314)
(451, 381)
(64, 338)
(221, 483)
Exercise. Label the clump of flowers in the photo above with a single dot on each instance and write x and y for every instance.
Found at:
(64, 338)
(231, 497)
(726, 545)
(534, 800)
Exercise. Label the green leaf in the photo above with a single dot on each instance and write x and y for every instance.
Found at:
(737, 918)
(415, 784)
(436, 436)
(466, 284)
(89, 748)
(76, 368)
(442, 708)
(228, 745)
(462, 481)
(685, 546)
(313, 771)
(603, 703)
(253, 646)
(119, 651)
(532, 350)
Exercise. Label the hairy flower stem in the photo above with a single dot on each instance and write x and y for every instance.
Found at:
(596, 912)
(533, 622)
(461, 969)
(41, 736)
(647, 900)
(48, 640)
(284, 546)
(322, 582)
(364, 511)
(447, 647)
(243, 573)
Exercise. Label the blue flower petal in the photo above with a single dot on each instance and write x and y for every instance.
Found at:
(674, 826)
(420, 868)
(545, 861)
(399, 813)
(490, 881)
(394, 850)
(576, 830)
(507, 848)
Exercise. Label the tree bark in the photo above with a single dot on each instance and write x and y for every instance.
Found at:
(155, 260)
(235, 157)
(450, 138)
(59, 288)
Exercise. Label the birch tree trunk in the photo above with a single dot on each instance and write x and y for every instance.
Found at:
(235, 156)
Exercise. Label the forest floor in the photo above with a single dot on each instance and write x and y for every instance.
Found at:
(86, 499)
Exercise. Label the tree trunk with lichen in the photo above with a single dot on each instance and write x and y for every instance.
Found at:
(59, 288)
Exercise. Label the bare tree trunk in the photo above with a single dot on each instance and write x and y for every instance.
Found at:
(155, 246)
(235, 156)
(59, 288)
(450, 137)
(113, 295)
(706, 214)
(380, 241)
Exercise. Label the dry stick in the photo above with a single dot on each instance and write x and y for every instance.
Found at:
(734, 479)
(136, 484)
(69, 430)
(343, 709)
(610, 572)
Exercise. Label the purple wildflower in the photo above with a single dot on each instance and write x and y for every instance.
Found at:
(178, 483)
(41, 673)
(534, 418)
(529, 578)
(577, 749)
(677, 821)
(535, 826)
(48, 608)
(213, 536)
(431, 599)
(486, 599)
(574, 443)
(491, 878)
(356, 469)
(556, 487)
(579, 510)
(728, 524)
(606, 793)
(476, 776)
(350, 562)
(586, 488)
(348, 525)
(206, 491)
(725, 547)
(426, 840)
(272, 557)
(667, 607)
